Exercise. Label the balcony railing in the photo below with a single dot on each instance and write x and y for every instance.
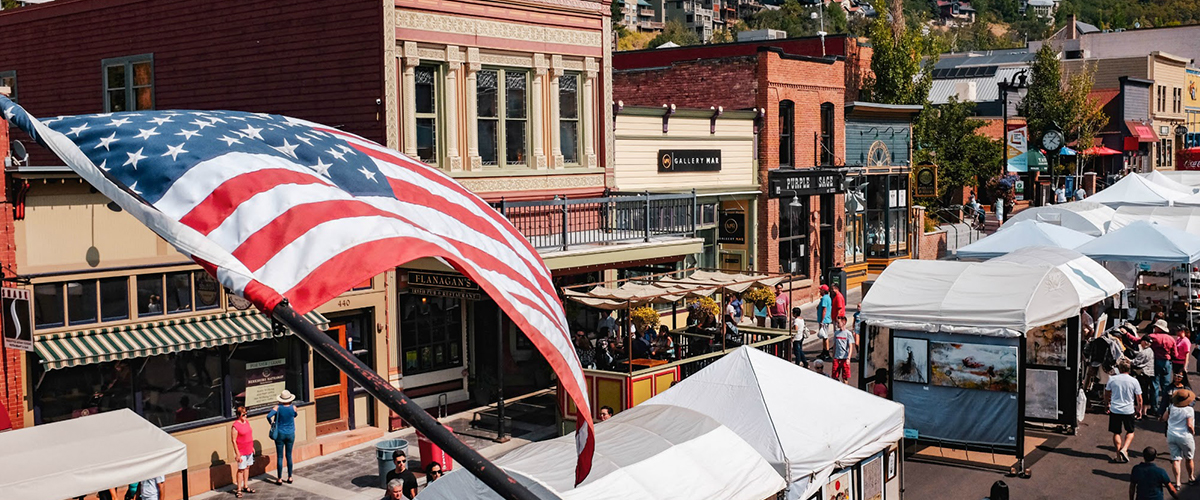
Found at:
(561, 222)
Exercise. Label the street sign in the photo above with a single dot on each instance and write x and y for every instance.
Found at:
(18, 332)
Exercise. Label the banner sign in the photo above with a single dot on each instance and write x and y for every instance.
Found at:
(926, 180)
(803, 182)
(732, 227)
(454, 286)
(689, 160)
(18, 331)
(1017, 143)
(264, 381)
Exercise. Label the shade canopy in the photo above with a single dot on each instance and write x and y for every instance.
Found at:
(1136, 190)
(1167, 182)
(1026, 233)
(1143, 241)
(665, 289)
(1100, 151)
(777, 407)
(1005, 296)
(1183, 218)
(1185, 177)
(647, 452)
(1087, 217)
(84, 455)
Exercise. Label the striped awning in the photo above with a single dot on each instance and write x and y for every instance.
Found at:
(80, 347)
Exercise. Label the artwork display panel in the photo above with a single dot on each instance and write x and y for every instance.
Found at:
(1047, 344)
(910, 360)
(871, 477)
(974, 366)
(839, 487)
(1041, 393)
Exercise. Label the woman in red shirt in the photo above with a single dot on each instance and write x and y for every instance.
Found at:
(243, 441)
(1183, 349)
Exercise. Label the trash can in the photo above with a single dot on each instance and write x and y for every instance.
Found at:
(431, 452)
(383, 454)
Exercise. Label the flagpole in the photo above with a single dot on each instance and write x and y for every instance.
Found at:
(364, 376)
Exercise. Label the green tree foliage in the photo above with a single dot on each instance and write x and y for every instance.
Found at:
(675, 31)
(901, 65)
(1066, 104)
(792, 17)
(947, 136)
(1124, 14)
(835, 19)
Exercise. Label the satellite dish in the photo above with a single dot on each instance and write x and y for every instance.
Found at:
(18, 152)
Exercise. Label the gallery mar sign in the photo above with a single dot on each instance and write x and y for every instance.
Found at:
(689, 160)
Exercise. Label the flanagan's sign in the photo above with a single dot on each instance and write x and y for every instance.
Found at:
(454, 286)
(689, 160)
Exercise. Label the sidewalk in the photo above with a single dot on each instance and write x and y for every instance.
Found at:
(352, 474)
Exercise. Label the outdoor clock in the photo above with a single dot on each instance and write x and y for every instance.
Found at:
(1052, 141)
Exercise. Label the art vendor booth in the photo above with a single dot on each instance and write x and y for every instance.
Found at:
(827, 439)
(997, 341)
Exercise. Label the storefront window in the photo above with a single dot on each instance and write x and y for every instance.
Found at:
(259, 371)
(887, 216)
(208, 291)
(83, 390)
(149, 295)
(81, 302)
(48, 305)
(898, 215)
(876, 216)
(182, 387)
(430, 333)
(114, 299)
(793, 236)
(179, 292)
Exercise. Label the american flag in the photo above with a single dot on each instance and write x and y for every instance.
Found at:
(277, 207)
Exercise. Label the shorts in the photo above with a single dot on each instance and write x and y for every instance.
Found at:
(1181, 447)
(1116, 422)
(841, 369)
(823, 332)
(245, 461)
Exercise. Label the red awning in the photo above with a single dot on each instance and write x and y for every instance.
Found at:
(1143, 132)
(1100, 151)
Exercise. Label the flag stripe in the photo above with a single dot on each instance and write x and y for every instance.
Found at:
(210, 213)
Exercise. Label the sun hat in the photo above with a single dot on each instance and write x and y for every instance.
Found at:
(1183, 398)
(286, 396)
(1162, 325)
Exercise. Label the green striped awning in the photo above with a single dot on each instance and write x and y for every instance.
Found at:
(80, 347)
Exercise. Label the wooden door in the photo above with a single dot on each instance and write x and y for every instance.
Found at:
(330, 390)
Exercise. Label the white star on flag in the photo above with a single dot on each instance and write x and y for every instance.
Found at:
(321, 167)
(117, 122)
(76, 130)
(105, 142)
(250, 132)
(174, 151)
(367, 173)
(187, 134)
(146, 133)
(134, 158)
(286, 148)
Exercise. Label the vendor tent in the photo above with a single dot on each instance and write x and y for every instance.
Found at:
(1026, 233)
(1136, 190)
(81, 456)
(1185, 177)
(1183, 218)
(1167, 182)
(1000, 297)
(776, 407)
(1143, 241)
(647, 452)
(1087, 217)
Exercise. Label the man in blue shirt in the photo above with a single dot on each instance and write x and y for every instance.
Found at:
(825, 321)
(1147, 480)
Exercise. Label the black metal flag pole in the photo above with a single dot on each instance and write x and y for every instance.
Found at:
(364, 376)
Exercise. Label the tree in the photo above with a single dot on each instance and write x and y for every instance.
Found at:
(835, 18)
(898, 74)
(675, 31)
(729, 32)
(947, 136)
(1052, 102)
(791, 16)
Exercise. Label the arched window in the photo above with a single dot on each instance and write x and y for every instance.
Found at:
(787, 142)
(827, 134)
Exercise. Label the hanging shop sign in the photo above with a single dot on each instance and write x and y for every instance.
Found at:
(689, 160)
(18, 332)
(455, 286)
(926, 180)
(732, 227)
(804, 182)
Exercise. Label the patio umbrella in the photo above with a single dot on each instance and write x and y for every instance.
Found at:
(1100, 151)
(1065, 151)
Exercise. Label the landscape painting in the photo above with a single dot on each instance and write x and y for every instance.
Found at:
(1047, 344)
(910, 361)
(974, 366)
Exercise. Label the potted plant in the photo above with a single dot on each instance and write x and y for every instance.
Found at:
(644, 317)
(762, 298)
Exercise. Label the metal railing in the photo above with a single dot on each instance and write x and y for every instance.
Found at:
(561, 222)
(699, 351)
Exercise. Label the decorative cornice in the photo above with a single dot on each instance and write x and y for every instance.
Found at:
(431, 54)
(458, 25)
(506, 60)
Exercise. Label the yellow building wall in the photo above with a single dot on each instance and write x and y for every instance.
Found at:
(640, 137)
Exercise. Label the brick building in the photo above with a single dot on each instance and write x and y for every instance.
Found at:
(801, 147)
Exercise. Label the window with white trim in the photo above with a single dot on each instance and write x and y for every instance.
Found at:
(568, 117)
(128, 83)
(427, 91)
(503, 117)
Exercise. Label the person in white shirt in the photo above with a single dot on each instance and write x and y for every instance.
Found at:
(1181, 434)
(1080, 194)
(1123, 397)
(1060, 194)
(799, 332)
(152, 489)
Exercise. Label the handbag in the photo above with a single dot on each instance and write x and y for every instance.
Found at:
(274, 432)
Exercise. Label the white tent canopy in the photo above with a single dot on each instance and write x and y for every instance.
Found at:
(1183, 218)
(1087, 217)
(1026, 233)
(1001, 297)
(1167, 182)
(647, 452)
(1143, 241)
(1185, 177)
(85, 455)
(1136, 190)
(775, 406)
(1190, 200)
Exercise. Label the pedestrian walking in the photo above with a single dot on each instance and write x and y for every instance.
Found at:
(825, 320)
(1142, 368)
(779, 311)
(1122, 397)
(1163, 345)
(1181, 434)
(1147, 480)
(1183, 349)
(243, 444)
(843, 346)
(394, 491)
(408, 480)
(433, 472)
(1060, 194)
(838, 301)
(283, 427)
(799, 333)
(152, 489)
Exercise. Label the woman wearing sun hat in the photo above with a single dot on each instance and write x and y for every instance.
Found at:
(283, 418)
(1181, 431)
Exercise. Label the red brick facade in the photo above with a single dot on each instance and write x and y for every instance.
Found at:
(759, 82)
(14, 380)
